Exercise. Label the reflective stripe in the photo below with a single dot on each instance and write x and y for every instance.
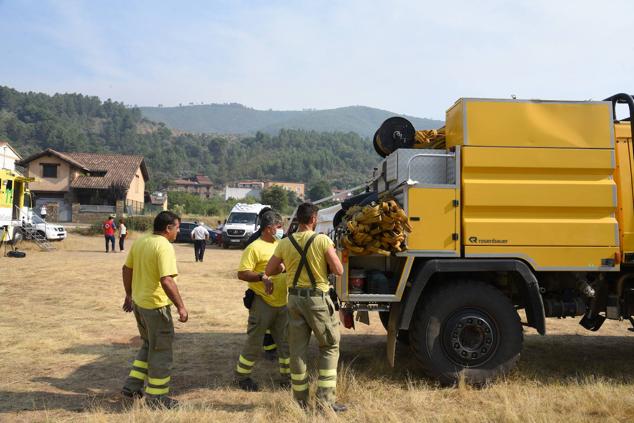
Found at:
(268, 331)
(300, 388)
(328, 372)
(269, 347)
(285, 370)
(245, 361)
(243, 371)
(284, 360)
(296, 376)
(156, 391)
(137, 374)
(327, 383)
(140, 364)
(158, 382)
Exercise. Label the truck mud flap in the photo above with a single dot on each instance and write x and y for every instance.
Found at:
(392, 332)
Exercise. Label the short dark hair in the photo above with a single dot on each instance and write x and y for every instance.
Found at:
(264, 210)
(270, 218)
(305, 212)
(164, 219)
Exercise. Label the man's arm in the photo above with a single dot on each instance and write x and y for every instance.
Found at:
(333, 261)
(169, 286)
(275, 266)
(248, 276)
(126, 274)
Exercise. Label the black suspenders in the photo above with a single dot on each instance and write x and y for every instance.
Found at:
(303, 260)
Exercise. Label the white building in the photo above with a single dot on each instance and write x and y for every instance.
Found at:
(8, 156)
(241, 193)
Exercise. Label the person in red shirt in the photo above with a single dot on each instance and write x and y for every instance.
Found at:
(108, 232)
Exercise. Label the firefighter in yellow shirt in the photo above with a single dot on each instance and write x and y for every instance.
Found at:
(149, 279)
(268, 307)
(307, 257)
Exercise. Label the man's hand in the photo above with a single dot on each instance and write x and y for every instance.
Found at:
(182, 315)
(127, 304)
(268, 284)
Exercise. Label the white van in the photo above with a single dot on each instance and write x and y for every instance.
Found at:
(241, 223)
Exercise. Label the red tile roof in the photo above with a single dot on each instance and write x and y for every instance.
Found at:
(118, 168)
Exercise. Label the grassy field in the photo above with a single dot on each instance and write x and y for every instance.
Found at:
(66, 345)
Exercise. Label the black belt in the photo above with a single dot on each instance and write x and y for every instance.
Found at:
(306, 292)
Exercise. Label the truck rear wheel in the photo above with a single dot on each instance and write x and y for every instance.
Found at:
(467, 329)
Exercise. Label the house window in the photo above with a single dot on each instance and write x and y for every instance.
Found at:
(137, 184)
(49, 170)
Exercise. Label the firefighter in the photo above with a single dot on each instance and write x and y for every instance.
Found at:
(149, 279)
(267, 309)
(268, 344)
(307, 256)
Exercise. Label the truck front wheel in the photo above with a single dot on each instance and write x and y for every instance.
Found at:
(466, 329)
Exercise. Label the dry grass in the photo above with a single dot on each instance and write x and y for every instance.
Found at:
(66, 346)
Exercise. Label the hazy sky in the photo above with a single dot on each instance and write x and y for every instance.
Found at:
(414, 57)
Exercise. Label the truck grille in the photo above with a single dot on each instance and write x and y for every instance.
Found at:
(235, 232)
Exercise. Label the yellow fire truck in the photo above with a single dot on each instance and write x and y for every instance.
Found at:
(15, 203)
(515, 205)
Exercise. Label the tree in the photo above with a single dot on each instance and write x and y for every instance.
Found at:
(275, 196)
(319, 190)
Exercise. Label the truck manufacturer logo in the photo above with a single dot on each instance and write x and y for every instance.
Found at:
(476, 240)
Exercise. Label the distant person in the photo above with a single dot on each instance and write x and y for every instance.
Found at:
(200, 235)
(149, 279)
(307, 257)
(108, 232)
(43, 212)
(267, 304)
(123, 231)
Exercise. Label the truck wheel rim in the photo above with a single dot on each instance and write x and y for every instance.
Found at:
(470, 338)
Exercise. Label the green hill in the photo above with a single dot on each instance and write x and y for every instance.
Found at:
(32, 122)
(238, 119)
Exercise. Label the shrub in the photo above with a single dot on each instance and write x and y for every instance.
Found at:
(139, 223)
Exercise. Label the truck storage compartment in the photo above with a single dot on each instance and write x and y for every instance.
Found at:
(530, 123)
(372, 278)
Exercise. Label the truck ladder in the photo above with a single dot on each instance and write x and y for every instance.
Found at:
(31, 233)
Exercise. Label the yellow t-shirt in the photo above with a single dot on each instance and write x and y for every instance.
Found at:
(150, 258)
(254, 258)
(316, 258)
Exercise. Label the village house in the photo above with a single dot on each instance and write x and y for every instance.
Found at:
(8, 156)
(297, 187)
(199, 185)
(243, 189)
(82, 187)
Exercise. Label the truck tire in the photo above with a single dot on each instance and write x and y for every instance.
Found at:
(466, 329)
(225, 245)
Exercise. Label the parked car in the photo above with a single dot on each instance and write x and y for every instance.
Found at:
(185, 232)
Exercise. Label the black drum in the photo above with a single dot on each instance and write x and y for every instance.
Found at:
(396, 132)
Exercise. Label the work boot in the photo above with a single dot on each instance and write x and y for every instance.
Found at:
(335, 406)
(248, 385)
(270, 355)
(134, 395)
(339, 408)
(162, 402)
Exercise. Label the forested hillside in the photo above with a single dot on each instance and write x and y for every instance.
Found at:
(238, 119)
(32, 122)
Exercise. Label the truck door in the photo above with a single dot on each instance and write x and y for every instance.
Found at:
(433, 215)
